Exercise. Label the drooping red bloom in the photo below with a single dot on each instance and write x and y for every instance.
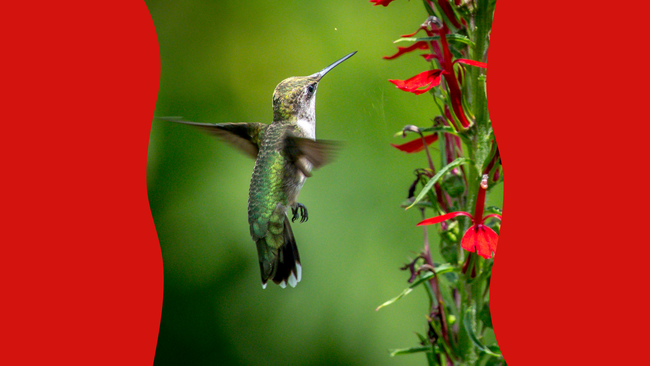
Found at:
(419, 83)
(421, 45)
(381, 2)
(471, 62)
(479, 238)
(417, 144)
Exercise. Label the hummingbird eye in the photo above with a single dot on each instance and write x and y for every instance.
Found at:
(311, 88)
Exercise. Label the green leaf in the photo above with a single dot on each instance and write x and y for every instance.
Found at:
(492, 210)
(443, 268)
(468, 322)
(455, 38)
(422, 338)
(408, 202)
(411, 39)
(485, 316)
(494, 348)
(423, 278)
(407, 351)
(437, 177)
(445, 129)
(450, 253)
(404, 293)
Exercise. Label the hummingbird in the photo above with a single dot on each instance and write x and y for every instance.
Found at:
(285, 152)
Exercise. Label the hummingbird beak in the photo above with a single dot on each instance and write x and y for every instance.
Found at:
(319, 75)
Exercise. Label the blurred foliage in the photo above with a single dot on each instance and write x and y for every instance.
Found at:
(220, 62)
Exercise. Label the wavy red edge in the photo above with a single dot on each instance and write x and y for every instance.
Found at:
(81, 263)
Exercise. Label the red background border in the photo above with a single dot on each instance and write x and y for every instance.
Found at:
(568, 110)
(82, 277)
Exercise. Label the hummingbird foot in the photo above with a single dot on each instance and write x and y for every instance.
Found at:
(303, 212)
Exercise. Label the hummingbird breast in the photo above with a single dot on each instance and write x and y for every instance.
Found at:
(275, 183)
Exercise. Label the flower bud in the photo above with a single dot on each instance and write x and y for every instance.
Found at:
(432, 21)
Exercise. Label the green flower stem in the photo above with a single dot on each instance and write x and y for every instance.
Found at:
(435, 286)
(426, 149)
(470, 267)
(479, 143)
(478, 148)
(479, 97)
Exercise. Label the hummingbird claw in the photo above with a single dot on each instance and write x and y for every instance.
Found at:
(303, 213)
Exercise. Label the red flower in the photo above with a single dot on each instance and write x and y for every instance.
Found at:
(425, 80)
(470, 62)
(381, 2)
(478, 238)
(441, 52)
(421, 45)
(417, 144)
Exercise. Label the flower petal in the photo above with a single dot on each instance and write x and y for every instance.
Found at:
(425, 80)
(429, 56)
(480, 239)
(471, 63)
(496, 216)
(417, 144)
(441, 218)
(421, 45)
(412, 34)
(381, 2)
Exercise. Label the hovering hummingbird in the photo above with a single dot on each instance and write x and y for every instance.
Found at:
(285, 151)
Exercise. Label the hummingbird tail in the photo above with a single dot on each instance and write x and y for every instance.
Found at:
(283, 267)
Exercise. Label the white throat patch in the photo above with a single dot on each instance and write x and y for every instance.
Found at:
(308, 128)
(307, 123)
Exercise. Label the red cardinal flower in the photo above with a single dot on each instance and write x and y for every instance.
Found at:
(381, 2)
(479, 238)
(425, 80)
(417, 144)
(421, 45)
(470, 62)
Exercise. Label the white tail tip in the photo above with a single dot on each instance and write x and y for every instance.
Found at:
(292, 280)
(299, 270)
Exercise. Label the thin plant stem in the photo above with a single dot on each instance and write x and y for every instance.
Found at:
(435, 285)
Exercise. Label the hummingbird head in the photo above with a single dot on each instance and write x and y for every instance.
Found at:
(294, 99)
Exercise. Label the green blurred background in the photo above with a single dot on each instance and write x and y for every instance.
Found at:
(220, 62)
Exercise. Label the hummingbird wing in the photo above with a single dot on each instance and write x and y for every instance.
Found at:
(317, 152)
(244, 136)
